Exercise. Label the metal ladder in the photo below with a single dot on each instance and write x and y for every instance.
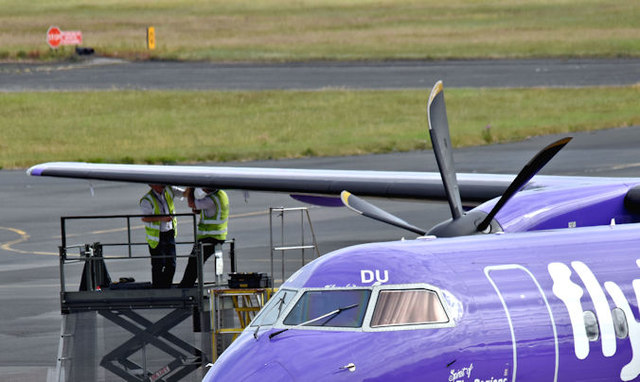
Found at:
(282, 248)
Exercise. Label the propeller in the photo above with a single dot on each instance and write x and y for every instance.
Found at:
(460, 224)
(441, 142)
(476, 221)
(524, 176)
(367, 209)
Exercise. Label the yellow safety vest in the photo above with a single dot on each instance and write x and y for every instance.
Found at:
(213, 221)
(152, 229)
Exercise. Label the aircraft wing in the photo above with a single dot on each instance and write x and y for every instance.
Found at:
(401, 185)
(474, 188)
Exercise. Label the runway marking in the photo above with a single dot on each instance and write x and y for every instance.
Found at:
(625, 166)
(23, 238)
(614, 168)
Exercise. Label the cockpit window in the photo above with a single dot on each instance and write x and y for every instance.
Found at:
(274, 308)
(401, 307)
(330, 308)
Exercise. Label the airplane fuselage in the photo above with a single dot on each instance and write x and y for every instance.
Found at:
(545, 306)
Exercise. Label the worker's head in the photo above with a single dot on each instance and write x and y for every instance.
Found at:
(157, 187)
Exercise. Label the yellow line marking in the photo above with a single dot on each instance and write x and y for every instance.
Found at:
(23, 238)
(256, 213)
(112, 230)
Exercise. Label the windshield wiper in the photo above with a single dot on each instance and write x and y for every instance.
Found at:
(280, 303)
(331, 314)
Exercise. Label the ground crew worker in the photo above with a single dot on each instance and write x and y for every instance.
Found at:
(161, 232)
(213, 208)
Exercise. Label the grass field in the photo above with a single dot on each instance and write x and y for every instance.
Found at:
(286, 30)
(122, 126)
(165, 127)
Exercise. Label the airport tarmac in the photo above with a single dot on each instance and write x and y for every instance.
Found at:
(108, 74)
(32, 207)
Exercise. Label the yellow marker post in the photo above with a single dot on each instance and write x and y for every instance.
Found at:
(151, 38)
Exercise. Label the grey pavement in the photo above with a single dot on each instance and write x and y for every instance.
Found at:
(29, 234)
(109, 74)
(31, 207)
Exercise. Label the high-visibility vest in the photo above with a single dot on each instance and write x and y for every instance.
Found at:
(213, 221)
(152, 229)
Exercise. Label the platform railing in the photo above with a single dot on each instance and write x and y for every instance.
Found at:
(127, 308)
(86, 252)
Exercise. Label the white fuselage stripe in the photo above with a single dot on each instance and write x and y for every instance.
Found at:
(504, 305)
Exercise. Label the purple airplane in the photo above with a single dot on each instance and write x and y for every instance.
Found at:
(539, 282)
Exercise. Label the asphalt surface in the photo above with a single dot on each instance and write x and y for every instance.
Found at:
(31, 209)
(109, 74)
(29, 236)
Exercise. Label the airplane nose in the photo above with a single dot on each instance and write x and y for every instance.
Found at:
(272, 371)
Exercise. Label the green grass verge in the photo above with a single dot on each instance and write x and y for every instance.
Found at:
(285, 30)
(174, 126)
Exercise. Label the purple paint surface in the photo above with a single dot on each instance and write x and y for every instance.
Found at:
(506, 321)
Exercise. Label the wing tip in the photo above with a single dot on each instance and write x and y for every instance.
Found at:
(35, 170)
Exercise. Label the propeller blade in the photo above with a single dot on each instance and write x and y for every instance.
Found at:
(529, 171)
(441, 142)
(369, 210)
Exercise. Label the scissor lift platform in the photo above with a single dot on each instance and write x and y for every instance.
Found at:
(130, 310)
(178, 298)
(133, 331)
(130, 329)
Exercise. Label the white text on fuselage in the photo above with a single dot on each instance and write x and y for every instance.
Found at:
(464, 374)
(458, 375)
(374, 276)
(571, 293)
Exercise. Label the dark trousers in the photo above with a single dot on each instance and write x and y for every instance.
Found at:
(163, 260)
(191, 272)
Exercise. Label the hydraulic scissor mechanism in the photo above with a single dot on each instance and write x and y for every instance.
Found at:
(148, 334)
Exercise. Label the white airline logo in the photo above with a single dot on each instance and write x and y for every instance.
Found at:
(571, 294)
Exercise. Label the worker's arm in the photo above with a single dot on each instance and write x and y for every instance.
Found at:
(203, 203)
(189, 194)
(156, 219)
(147, 209)
(179, 191)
